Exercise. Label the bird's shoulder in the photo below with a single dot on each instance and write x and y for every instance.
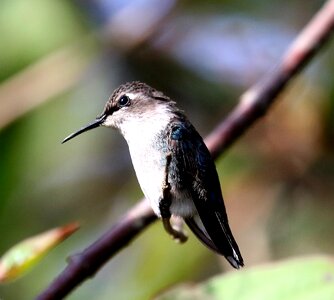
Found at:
(188, 148)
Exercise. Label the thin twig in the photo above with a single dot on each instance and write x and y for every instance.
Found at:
(253, 104)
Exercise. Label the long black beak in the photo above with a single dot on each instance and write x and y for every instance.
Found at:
(98, 122)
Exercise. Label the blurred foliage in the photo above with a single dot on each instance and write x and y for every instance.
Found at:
(27, 253)
(31, 29)
(60, 60)
(306, 278)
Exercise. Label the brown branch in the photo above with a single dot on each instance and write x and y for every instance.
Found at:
(85, 264)
(255, 101)
(254, 104)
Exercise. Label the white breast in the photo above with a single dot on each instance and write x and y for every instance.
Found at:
(147, 161)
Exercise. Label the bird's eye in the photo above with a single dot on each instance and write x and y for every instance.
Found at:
(124, 101)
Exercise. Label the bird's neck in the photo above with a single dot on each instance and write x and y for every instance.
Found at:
(142, 130)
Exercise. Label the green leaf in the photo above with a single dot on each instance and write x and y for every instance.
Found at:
(310, 278)
(21, 257)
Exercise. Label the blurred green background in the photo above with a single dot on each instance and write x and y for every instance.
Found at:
(60, 60)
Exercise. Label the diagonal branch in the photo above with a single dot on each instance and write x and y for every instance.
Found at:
(253, 104)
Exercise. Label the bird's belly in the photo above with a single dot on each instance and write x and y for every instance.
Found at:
(150, 170)
(150, 181)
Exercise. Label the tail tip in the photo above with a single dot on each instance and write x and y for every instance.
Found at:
(235, 262)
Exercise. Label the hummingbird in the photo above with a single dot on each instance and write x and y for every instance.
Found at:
(172, 163)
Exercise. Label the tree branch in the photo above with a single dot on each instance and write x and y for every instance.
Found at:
(253, 104)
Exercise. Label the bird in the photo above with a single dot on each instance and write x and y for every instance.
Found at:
(173, 166)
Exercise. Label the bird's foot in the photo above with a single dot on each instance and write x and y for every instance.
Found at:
(176, 233)
(179, 236)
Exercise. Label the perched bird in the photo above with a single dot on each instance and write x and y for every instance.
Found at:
(173, 165)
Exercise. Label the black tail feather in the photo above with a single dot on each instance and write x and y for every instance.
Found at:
(220, 240)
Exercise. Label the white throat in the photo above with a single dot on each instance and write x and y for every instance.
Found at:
(141, 130)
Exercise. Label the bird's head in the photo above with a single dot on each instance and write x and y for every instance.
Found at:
(131, 103)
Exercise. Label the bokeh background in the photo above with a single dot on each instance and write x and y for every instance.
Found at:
(60, 60)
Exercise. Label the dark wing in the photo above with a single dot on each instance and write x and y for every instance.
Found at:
(195, 166)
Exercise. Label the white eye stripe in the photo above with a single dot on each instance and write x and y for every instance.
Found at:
(130, 95)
